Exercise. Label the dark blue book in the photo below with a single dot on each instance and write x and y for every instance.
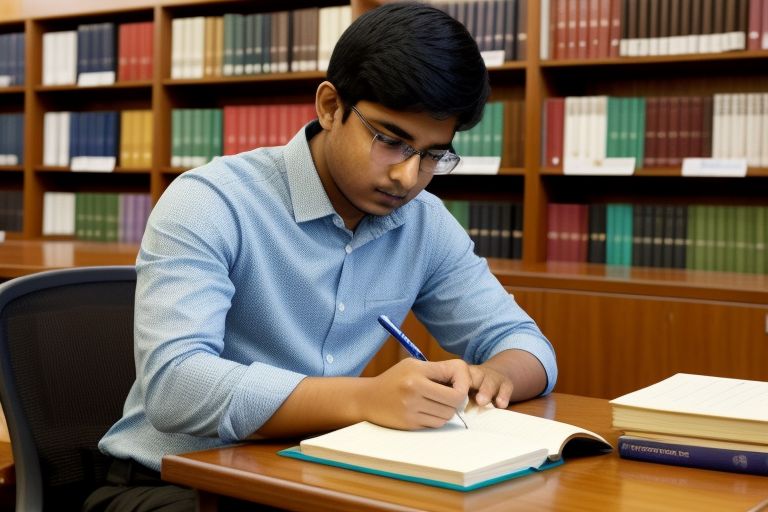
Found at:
(112, 133)
(74, 134)
(83, 49)
(107, 47)
(20, 69)
(6, 59)
(752, 460)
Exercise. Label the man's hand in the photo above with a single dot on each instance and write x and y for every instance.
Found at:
(416, 394)
(491, 386)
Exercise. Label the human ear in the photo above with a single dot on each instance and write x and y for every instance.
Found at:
(327, 103)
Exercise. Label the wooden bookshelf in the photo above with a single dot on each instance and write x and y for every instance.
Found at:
(571, 303)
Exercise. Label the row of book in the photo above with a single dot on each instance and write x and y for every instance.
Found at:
(657, 131)
(247, 44)
(11, 139)
(580, 29)
(694, 237)
(496, 25)
(101, 217)
(11, 210)
(67, 135)
(495, 227)
(697, 421)
(197, 135)
(136, 138)
(11, 59)
(93, 55)
(486, 139)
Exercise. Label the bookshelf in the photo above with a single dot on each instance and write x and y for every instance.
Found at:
(532, 81)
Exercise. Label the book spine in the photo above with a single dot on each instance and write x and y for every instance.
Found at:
(737, 461)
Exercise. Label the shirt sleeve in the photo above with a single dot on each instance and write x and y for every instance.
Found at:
(183, 294)
(466, 308)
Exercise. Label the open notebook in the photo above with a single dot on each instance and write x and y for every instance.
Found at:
(499, 445)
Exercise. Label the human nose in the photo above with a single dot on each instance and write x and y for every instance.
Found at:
(406, 173)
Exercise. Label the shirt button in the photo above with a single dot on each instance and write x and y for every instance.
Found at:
(348, 248)
(342, 307)
(329, 358)
(337, 222)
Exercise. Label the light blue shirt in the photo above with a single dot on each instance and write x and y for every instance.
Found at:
(248, 281)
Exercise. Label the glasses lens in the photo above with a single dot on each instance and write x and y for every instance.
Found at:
(387, 152)
(444, 165)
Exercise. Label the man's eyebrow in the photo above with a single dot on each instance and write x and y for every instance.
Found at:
(407, 136)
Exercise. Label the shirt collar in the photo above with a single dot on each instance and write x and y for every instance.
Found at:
(308, 196)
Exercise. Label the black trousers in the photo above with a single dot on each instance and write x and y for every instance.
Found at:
(132, 487)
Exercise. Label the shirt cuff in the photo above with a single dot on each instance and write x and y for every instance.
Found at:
(260, 392)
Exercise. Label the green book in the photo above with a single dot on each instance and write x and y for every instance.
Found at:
(498, 129)
(626, 235)
(708, 236)
(740, 238)
(761, 237)
(176, 143)
(612, 251)
(80, 216)
(217, 132)
(750, 214)
(612, 145)
(692, 250)
(111, 205)
(228, 58)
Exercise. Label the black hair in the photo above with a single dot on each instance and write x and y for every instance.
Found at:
(411, 57)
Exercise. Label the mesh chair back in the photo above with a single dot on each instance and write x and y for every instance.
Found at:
(66, 344)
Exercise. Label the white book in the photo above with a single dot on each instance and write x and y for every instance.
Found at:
(544, 43)
(497, 445)
(698, 406)
(48, 213)
(176, 47)
(65, 58)
(719, 149)
(49, 45)
(65, 217)
(50, 140)
(738, 132)
(764, 130)
(754, 134)
(62, 137)
(598, 128)
(197, 49)
(570, 135)
(187, 48)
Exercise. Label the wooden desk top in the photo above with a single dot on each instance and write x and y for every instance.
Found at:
(603, 482)
(22, 257)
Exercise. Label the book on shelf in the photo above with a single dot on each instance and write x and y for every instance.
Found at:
(498, 445)
(695, 452)
(12, 59)
(698, 406)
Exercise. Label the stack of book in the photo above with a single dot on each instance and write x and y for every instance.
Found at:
(697, 421)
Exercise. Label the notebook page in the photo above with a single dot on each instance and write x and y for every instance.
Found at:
(529, 429)
(449, 448)
(703, 395)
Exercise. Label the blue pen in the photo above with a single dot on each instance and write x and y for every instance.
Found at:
(401, 337)
(408, 345)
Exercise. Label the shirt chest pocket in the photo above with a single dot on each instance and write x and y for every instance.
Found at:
(395, 309)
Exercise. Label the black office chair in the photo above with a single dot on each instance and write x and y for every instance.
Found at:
(66, 365)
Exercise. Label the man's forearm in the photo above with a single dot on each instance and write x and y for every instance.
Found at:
(526, 372)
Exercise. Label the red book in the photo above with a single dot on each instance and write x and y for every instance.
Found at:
(572, 37)
(674, 158)
(230, 130)
(615, 29)
(554, 244)
(707, 119)
(593, 29)
(554, 5)
(562, 29)
(582, 231)
(242, 129)
(555, 116)
(684, 133)
(146, 56)
(583, 29)
(764, 25)
(265, 125)
(662, 132)
(696, 131)
(651, 126)
(252, 136)
(122, 53)
(604, 29)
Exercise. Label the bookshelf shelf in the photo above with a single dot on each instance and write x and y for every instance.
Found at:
(752, 172)
(11, 168)
(16, 90)
(118, 170)
(119, 86)
(272, 78)
(657, 59)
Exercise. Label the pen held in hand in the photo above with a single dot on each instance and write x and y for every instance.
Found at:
(409, 346)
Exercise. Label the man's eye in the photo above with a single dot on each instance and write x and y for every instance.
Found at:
(436, 156)
(393, 143)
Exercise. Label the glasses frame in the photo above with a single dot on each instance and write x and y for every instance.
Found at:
(408, 151)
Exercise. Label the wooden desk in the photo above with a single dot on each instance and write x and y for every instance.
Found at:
(22, 257)
(256, 473)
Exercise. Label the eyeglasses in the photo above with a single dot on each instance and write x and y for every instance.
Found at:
(388, 151)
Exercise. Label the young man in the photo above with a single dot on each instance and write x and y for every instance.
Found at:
(261, 276)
